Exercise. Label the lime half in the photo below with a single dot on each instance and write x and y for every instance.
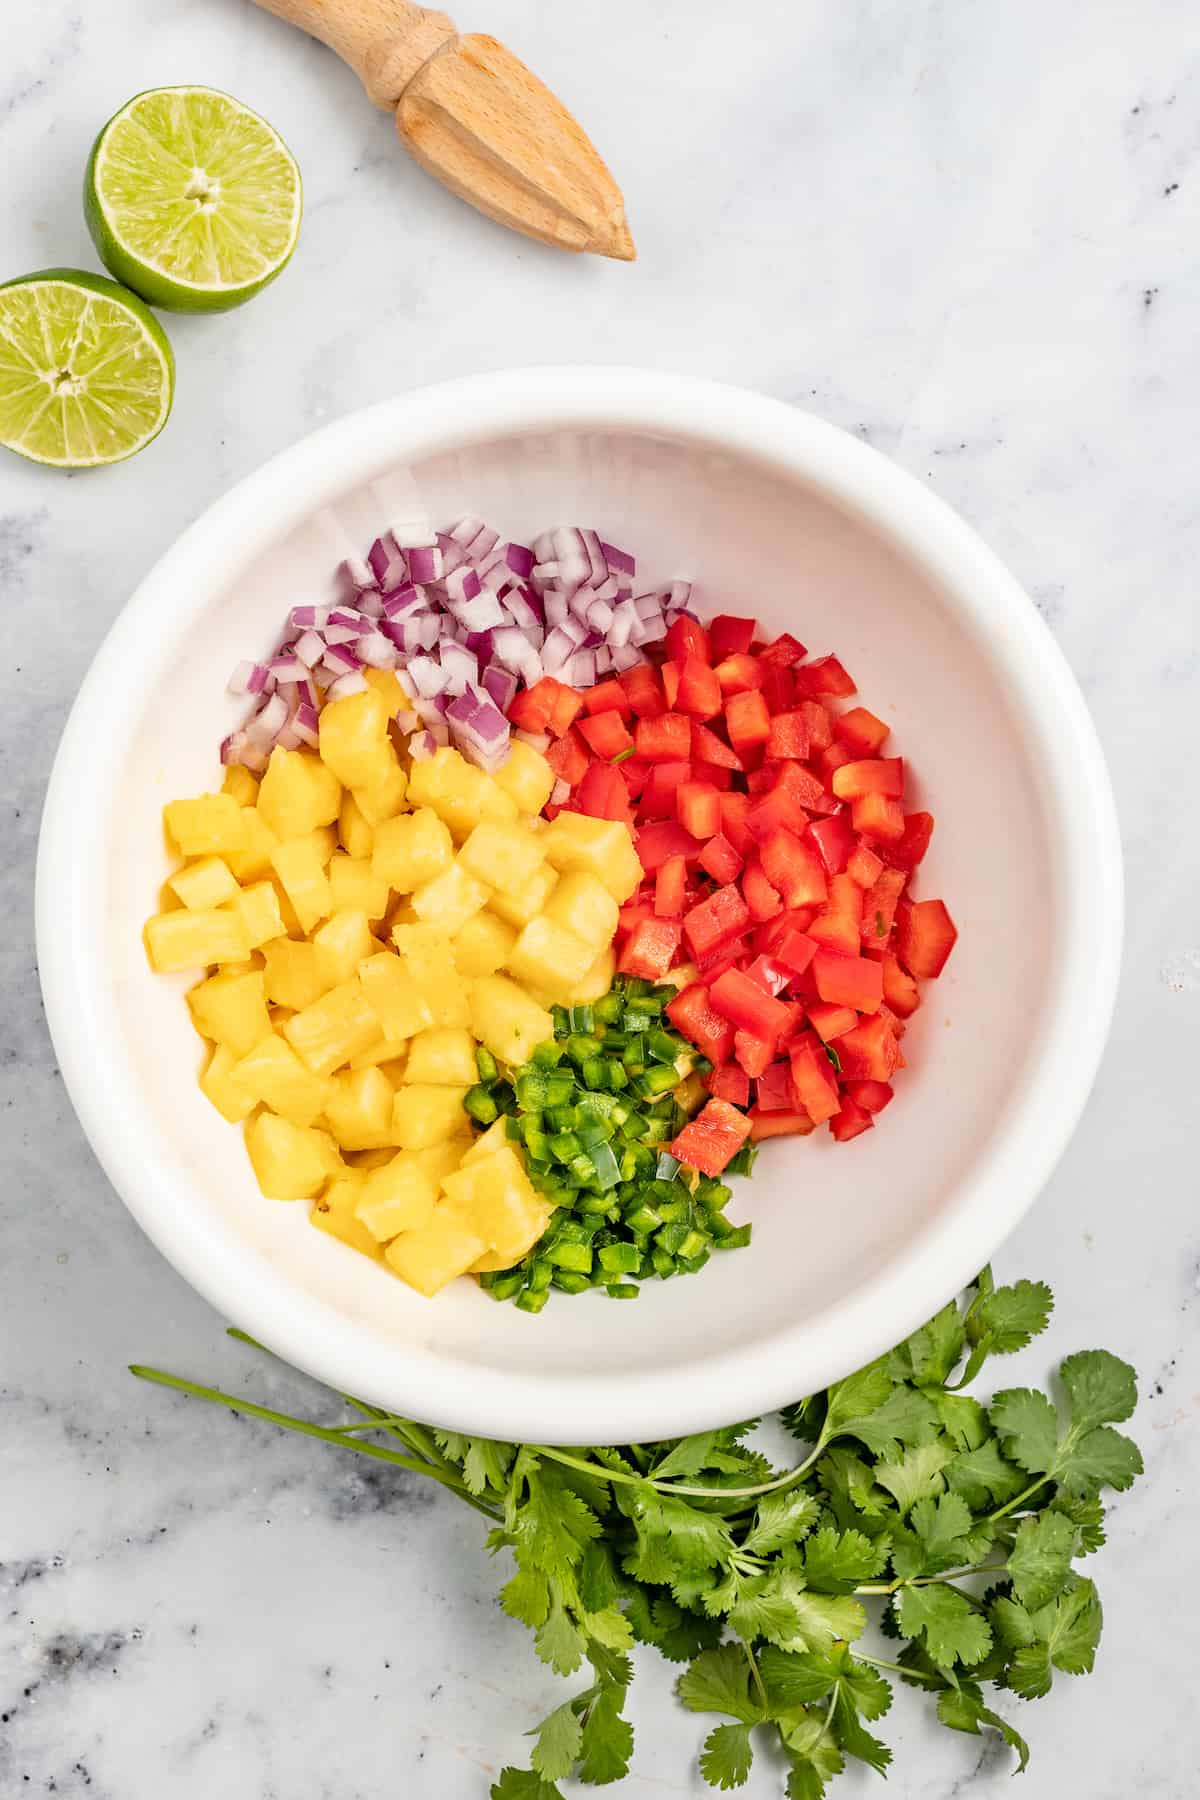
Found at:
(86, 372)
(192, 199)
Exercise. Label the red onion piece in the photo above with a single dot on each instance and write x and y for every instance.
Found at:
(353, 682)
(501, 686)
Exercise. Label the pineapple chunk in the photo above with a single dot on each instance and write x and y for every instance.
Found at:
(487, 1143)
(583, 906)
(359, 1114)
(505, 856)
(258, 908)
(366, 1160)
(430, 960)
(497, 1196)
(253, 860)
(291, 1163)
(273, 1074)
(341, 943)
(333, 1213)
(458, 792)
(600, 847)
(445, 1056)
(397, 1197)
(449, 900)
(385, 683)
(518, 908)
(383, 796)
(396, 998)
(422, 1115)
(352, 882)
(382, 1054)
(506, 1020)
(482, 945)
(194, 939)
(444, 1247)
(411, 850)
(596, 982)
(550, 957)
(210, 825)
(442, 1159)
(228, 1096)
(354, 834)
(334, 1028)
(204, 883)
(293, 974)
(353, 731)
(526, 777)
(241, 784)
(300, 866)
(298, 793)
(232, 1010)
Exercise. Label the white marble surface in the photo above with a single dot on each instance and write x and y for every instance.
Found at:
(966, 232)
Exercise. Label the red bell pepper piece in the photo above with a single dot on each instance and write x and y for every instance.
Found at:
(792, 868)
(663, 838)
(707, 747)
(875, 775)
(926, 936)
(877, 816)
(761, 898)
(832, 930)
(730, 635)
(900, 991)
(687, 637)
(693, 1015)
(764, 1124)
(710, 1140)
(773, 1091)
(603, 794)
(872, 1096)
(568, 758)
(730, 1082)
(747, 721)
(605, 733)
(910, 849)
(864, 866)
(850, 1121)
(724, 915)
(830, 1022)
(833, 841)
(642, 690)
(668, 674)
(630, 916)
(825, 676)
(747, 1007)
(868, 1052)
(879, 905)
(819, 720)
(669, 736)
(718, 777)
(793, 948)
(662, 783)
(712, 966)
(770, 975)
(698, 804)
(835, 757)
(634, 772)
(788, 737)
(813, 1079)
(754, 1053)
(777, 689)
(699, 690)
(669, 885)
(719, 859)
(651, 948)
(739, 674)
(845, 896)
(607, 696)
(547, 706)
(783, 652)
(861, 732)
(848, 980)
(734, 810)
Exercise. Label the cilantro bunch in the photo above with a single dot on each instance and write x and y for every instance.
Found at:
(958, 1524)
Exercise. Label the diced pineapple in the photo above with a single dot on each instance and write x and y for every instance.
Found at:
(258, 908)
(253, 860)
(445, 1056)
(275, 1075)
(441, 1159)
(293, 975)
(354, 834)
(450, 899)
(526, 777)
(444, 1247)
(385, 683)
(505, 856)
(232, 1010)
(195, 939)
(341, 943)
(506, 1020)
(298, 793)
(550, 957)
(204, 883)
(360, 1112)
(583, 905)
(600, 847)
(210, 825)
(458, 792)
(300, 866)
(382, 1054)
(595, 983)
(334, 1028)
(518, 908)
(411, 850)
(352, 733)
(423, 1115)
(483, 943)
(396, 998)
(333, 1212)
(241, 783)
(429, 958)
(383, 796)
(290, 1161)
(228, 1096)
(397, 1197)
(487, 1143)
(496, 1195)
(352, 882)
(367, 1160)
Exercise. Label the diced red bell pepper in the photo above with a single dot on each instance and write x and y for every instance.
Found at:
(850, 1121)
(568, 758)
(707, 747)
(663, 838)
(896, 1026)
(699, 690)
(747, 1007)
(547, 706)
(739, 674)
(662, 784)
(845, 896)
(770, 976)
(669, 736)
(775, 811)
(830, 1021)
(698, 804)
(753, 1053)
(720, 860)
(710, 1140)
(764, 1124)
(762, 779)
(687, 637)
(788, 738)
(734, 809)
(747, 721)
(832, 930)
(720, 778)
(602, 794)
(833, 841)
(729, 635)
(819, 720)
(900, 991)
(726, 956)
(635, 771)
(761, 898)
(864, 866)
(910, 849)
(669, 884)
(607, 696)
(803, 789)
(651, 948)
(784, 651)
(835, 757)
(792, 868)
(630, 916)
(777, 689)
(877, 816)
(668, 674)
(879, 905)
(724, 915)
(605, 733)
(773, 1091)
(926, 936)
(693, 1015)
(730, 1082)
(848, 980)
(825, 676)
(872, 1096)
(868, 1051)
(813, 1079)
(860, 731)
(642, 689)
(794, 949)
(874, 775)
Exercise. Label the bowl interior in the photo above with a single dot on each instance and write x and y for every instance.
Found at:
(756, 537)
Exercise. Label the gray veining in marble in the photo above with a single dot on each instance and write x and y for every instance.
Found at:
(966, 232)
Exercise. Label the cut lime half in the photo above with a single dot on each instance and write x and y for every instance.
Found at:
(192, 199)
(86, 372)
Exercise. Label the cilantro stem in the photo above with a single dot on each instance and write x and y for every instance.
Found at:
(675, 1487)
(916, 1581)
(1021, 1498)
(881, 1662)
(756, 1675)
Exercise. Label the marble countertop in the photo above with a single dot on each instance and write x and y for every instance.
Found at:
(965, 233)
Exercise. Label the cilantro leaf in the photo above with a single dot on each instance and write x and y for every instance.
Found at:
(940, 1536)
(606, 1742)
(1061, 1635)
(719, 1681)
(962, 1709)
(916, 1475)
(945, 1622)
(1027, 1425)
(820, 1618)
(1013, 1316)
(680, 1635)
(1088, 1515)
(523, 1784)
(559, 1641)
(1039, 1562)
(610, 1628)
(781, 1518)
(552, 1524)
(688, 1456)
(851, 1487)
(813, 1755)
(962, 1419)
(673, 1538)
(929, 1355)
(795, 1678)
(852, 1401)
(527, 1597)
(1101, 1458)
(835, 1562)
(558, 1739)
(906, 1417)
(983, 1476)
(1101, 1388)
(853, 1736)
(871, 1692)
(726, 1757)
(1090, 1454)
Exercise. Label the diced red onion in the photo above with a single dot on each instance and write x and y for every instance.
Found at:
(376, 651)
(625, 656)
(559, 792)
(371, 605)
(407, 720)
(427, 676)
(347, 617)
(424, 563)
(620, 560)
(479, 612)
(460, 667)
(387, 564)
(537, 740)
(467, 529)
(501, 685)
(516, 603)
(268, 721)
(462, 584)
(580, 670)
(339, 659)
(310, 648)
(308, 618)
(557, 650)
(353, 682)
(422, 745)
(403, 601)
(555, 607)
(355, 574)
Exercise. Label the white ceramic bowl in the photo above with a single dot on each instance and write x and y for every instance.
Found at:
(774, 513)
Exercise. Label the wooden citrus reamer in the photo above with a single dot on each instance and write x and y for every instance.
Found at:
(471, 113)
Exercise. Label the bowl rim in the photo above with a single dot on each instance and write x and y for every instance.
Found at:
(988, 1200)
